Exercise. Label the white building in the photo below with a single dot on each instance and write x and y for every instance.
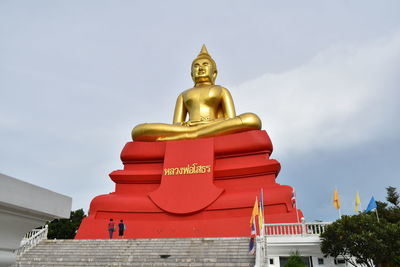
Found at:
(282, 240)
(24, 206)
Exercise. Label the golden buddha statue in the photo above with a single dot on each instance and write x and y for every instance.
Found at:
(210, 108)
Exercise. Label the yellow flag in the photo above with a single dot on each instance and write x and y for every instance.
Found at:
(261, 212)
(357, 202)
(336, 201)
(254, 213)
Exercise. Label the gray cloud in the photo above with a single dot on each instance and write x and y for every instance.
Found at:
(344, 96)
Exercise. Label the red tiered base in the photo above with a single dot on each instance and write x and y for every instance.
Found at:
(192, 188)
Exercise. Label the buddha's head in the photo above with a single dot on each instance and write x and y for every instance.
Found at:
(204, 68)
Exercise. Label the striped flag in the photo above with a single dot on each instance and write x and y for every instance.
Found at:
(294, 203)
(252, 247)
(293, 198)
(253, 234)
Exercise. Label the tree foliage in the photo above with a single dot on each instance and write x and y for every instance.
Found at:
(66, 228)
(390, 211)
(295, 261)
(362, 239)
(392, 196)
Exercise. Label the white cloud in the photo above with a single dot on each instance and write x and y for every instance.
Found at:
(344, 96)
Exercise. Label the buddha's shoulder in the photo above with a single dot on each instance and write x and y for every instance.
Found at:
(223, 89)
(217, 87)
(220, 90)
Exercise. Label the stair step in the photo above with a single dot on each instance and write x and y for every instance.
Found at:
(140, 252)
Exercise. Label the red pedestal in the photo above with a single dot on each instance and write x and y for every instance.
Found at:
(192, 188)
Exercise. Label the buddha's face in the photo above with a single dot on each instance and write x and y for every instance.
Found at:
(203, 70)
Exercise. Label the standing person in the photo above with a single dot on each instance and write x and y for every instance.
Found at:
(121, 229)
(111, 227)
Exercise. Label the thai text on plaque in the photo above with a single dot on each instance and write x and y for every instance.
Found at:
(189, 169)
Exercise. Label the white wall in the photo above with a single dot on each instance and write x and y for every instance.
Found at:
(24, 206)
(306, 246)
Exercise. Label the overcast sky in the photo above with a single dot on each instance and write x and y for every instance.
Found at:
(324, 76)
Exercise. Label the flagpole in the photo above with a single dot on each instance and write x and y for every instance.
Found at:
(262, 211)
(376, 211)
(297, 211)
(255, 221)
(264, 236)
(340, 212)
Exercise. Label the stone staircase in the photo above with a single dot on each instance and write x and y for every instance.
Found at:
(230, 251)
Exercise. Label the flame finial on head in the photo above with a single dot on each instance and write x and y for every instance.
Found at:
(204, 50)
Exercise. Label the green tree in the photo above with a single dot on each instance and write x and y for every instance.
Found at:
(295, 261)
(66, 228)
(390, 211)
(362, 239)
(392, 196)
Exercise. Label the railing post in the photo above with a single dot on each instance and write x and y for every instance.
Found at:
(303, 227)
(260, 251)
